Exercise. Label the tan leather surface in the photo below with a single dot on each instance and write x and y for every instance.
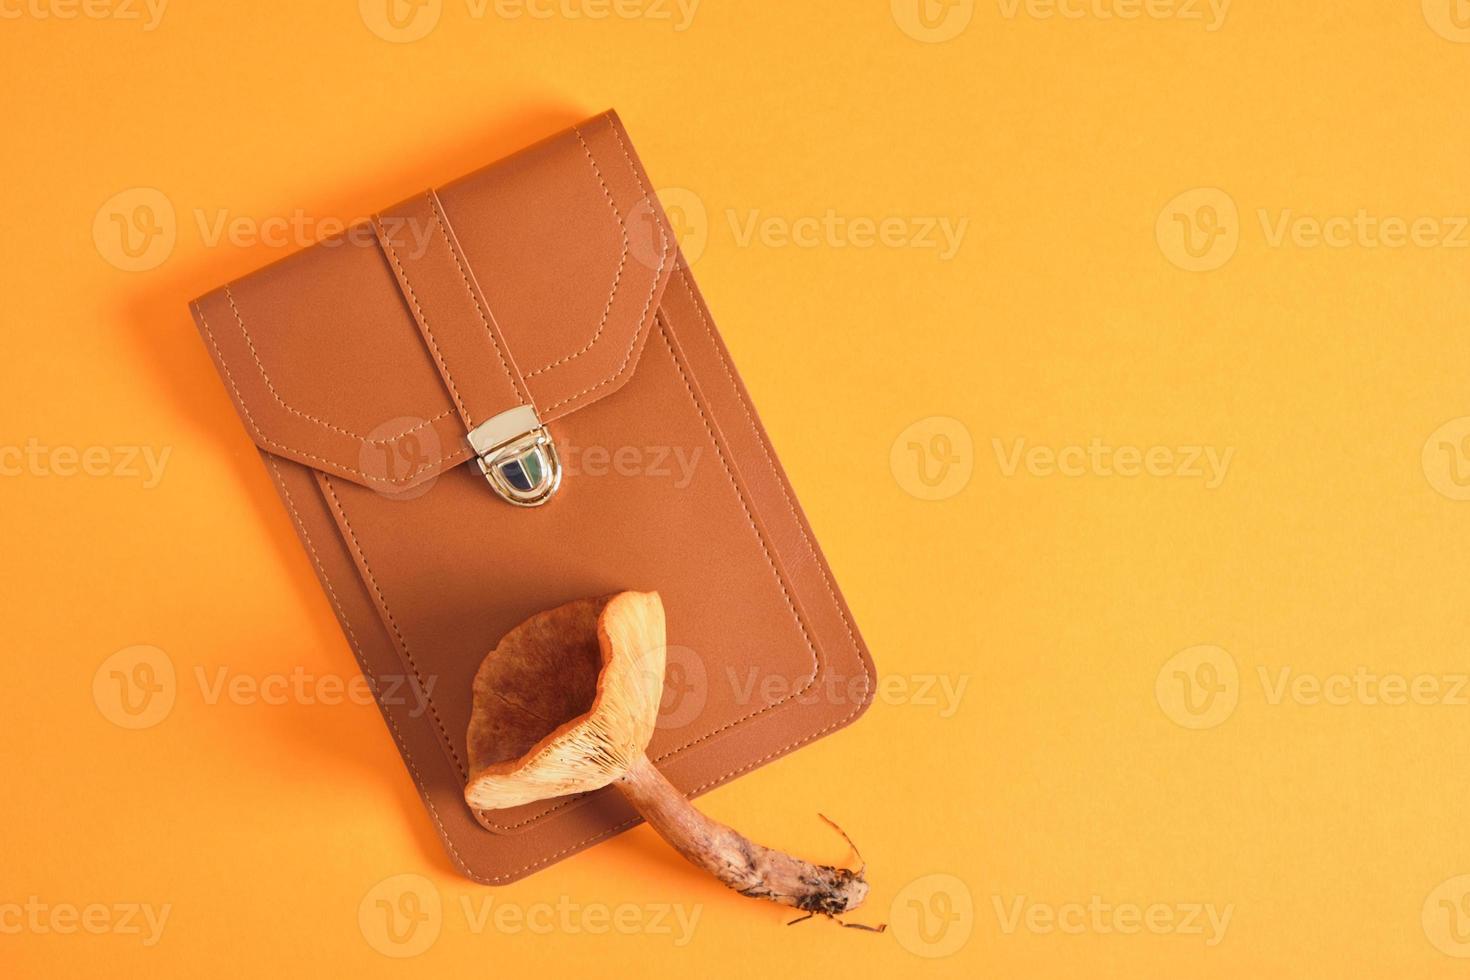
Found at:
(560, 256)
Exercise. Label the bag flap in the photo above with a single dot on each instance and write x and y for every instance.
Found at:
(563, 253)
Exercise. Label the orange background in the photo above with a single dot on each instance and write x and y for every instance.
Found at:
(1122, 733)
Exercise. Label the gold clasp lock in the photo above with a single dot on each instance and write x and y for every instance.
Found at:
(518, 457)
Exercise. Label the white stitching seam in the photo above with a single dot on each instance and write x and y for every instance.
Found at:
(261, 437)
(424, 321)
(611, 831)
(622, 259)
(403, 642)
(443, 223)
(460, 455)
(765, 451)
(770, 562)
(264, 376)
(663, 259)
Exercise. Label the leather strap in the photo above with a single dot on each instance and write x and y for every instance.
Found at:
(458, 328)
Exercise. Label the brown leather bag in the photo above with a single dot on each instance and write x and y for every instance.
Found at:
(507, 394)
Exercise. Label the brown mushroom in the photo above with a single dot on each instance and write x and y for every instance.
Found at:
(567, 703)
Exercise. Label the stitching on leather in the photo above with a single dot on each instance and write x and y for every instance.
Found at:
(407, 653)
(622, 259)
(372, 679)
(264, 376)
(663, 259)
(456, 457)
(423, 320)
(817, 662)
(443, 224)
(549, 859)
(393, 726)
(765, 451)
(362, 660)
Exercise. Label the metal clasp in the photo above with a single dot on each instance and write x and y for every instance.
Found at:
(518, 457)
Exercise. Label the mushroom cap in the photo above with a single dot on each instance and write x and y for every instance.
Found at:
(567, 700)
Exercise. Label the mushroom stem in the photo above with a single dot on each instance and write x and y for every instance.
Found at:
(740, 863)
